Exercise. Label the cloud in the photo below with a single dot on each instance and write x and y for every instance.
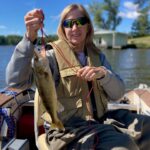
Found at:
(15, 32)
(2, 27)
(86, 6)
(131, 6)
(55, 18)
(130, 10)
(130, 15)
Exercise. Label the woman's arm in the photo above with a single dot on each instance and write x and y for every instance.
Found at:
(112, 83)
(19, 70)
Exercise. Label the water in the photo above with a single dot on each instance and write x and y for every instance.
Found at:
(131, 64)
(5, 55)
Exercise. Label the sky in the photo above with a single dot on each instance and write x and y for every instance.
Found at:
(12, 14)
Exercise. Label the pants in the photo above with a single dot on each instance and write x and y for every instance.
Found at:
(119, 130)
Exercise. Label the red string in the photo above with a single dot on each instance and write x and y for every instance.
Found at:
(63, 56)
(42, 39)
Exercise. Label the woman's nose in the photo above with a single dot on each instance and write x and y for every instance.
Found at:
(74, 26)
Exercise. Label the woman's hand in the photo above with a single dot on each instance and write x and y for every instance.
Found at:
(90, 73)
(33, 21)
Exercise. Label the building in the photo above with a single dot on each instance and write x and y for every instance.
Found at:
(110, 39)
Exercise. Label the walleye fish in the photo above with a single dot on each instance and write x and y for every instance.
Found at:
(46, 88)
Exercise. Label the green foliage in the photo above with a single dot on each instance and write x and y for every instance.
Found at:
(47, 39)
(140, 42)
(15, 39)
(3, 40)
(141, 25)
(10, 39)
(105, 14)
(96, 10)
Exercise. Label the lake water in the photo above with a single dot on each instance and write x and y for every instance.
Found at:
(5, 55)
(131, 64)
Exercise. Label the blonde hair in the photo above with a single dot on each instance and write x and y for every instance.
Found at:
(60, 30)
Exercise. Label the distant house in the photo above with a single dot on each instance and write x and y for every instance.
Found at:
(110, 39)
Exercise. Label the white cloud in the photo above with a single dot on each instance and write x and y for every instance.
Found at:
(86, 6)
(131, 6)
(55, 18)
(130, 15)
(15, 32)
(2, 27)
(130, 10)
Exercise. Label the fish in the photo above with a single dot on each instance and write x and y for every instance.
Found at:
(46, 87)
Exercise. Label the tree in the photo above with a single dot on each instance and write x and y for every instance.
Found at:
(140, 26)
(3, 40)
(105, 14)
(13, 39)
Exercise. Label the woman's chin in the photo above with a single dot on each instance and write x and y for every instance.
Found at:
(75, 42)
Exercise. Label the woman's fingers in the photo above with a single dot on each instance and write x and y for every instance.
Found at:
(33, 21)
(90, 73)
(38, 13)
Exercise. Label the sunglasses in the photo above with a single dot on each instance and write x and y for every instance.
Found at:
(68, 23)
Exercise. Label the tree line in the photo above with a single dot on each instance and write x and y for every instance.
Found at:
(15, 39)
(105, 16)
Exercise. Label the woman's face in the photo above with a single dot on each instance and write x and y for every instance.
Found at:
(76, 35)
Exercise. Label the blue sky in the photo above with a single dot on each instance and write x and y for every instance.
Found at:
(12, 14)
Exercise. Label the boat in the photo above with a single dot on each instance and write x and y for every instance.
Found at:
(17, 119)
(17, 124)
(136, 100)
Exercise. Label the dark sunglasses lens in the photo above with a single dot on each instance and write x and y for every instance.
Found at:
(82, 20)
(67, 23)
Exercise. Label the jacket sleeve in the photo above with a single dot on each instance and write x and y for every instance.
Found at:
(112, 84)
(19, 70)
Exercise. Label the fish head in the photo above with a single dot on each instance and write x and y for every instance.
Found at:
(40, 63)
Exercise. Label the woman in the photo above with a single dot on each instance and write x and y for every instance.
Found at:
(82, 70)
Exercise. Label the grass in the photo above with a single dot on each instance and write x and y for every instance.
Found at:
(140, 42)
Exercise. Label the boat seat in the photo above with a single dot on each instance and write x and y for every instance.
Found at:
(40, 116)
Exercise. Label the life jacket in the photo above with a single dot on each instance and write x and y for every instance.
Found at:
(72, 92)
